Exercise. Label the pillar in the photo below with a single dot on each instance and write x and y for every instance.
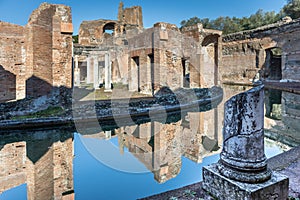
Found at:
(101, 78)
(96, 73)
(76, 73)
(107, 73)
(242, 172)
(89, 70)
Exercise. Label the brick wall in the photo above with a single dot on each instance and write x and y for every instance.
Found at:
(37, 57)
(12, 62)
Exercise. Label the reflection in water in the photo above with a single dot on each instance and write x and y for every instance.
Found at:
(160, 147)
(41, 159)
(282, 116)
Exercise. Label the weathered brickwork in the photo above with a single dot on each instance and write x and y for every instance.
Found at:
(12, 61)
(245, 54)
(112, 32)
(41, 159)
(37, 57)
(170, 58)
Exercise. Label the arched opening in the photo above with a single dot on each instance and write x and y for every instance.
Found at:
(272, 67)
(109, 28)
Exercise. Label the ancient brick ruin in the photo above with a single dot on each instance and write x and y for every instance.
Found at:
(244, 54)
(145, 59)
(37, 57)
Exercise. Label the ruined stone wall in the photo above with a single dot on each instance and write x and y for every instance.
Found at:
(128, 24)
(134, 16)
(37, 57)
(159, 53)
(49, 49)
(244, 53)
(12, 62)
(92, 33)
(291, 48)
(239, 61)
(203, 49)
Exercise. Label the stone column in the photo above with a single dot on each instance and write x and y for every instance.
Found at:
(76, 73)
(242, 172)
(107, 73)
(101, 69)
(243, 156)
(96, 73)
(89, 70)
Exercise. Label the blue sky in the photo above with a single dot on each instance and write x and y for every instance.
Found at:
(18, 11)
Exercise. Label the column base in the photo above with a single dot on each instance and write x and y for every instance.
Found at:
(223, 188)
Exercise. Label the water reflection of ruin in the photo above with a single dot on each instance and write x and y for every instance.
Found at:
(282, 116)
(160, 146)
(41, 159)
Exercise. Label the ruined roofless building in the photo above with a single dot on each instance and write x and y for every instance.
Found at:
(122, 51)
(97, 32)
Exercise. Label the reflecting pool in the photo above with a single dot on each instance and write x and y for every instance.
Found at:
(127, 162)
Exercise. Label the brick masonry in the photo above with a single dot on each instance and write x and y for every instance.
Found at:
(37, 57)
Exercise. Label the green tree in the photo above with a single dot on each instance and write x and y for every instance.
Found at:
(234, 24)
(292, 9)
(190, 22)
(75, 38)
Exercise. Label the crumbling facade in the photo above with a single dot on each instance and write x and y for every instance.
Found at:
(106, 32)
(145, 59)
(271, 51)
(37, 57)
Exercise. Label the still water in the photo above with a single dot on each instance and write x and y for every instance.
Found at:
(129, 162)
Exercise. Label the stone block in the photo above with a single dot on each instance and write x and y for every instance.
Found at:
(163, 35)
(223, 188)
(66, 28)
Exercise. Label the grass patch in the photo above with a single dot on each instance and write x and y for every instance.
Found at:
(51, 111)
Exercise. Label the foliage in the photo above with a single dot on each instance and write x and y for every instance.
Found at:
(234, 24)
(292, 9)
(51, 111)
(75, 38)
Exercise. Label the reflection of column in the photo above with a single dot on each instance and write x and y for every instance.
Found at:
(96, 73)
(108, 135)
(76, 73)
(107, 73)
(88, 70)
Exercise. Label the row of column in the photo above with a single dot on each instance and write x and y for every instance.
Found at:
(94, 72)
